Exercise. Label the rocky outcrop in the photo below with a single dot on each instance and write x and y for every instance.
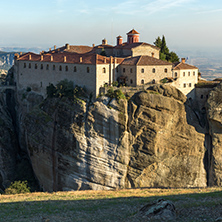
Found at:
(145, 142)
(8, 146)
(214, 113)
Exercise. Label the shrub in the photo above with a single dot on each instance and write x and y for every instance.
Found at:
(18, 187)
(117, 94)
(115, 83)
(28, 89)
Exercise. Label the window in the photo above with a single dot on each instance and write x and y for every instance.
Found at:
(67, 69)
(131, 81)
(190, 84)
(40, 84)
(30, 66)
(194, 73)
(74, 68)
(87, 69)
(36, 66)
(165, 70)
(104, 70)
(201, 96)
(131, 70)
(24, 65)
(188, 73)
(206, 96)
(47, 67)
(175, 74)
(142, 81)
(53, 67)
(124, 70)
(117, 69)
(41, 66)
(183, 73)
(142, 70)
(154, 70)
(60, 68)
(184, 85)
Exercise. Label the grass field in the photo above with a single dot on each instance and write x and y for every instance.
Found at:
(119, 205)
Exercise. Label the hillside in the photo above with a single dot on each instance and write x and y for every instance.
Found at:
(106, 206)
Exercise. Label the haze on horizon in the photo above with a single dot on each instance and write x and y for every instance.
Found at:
(186, 24)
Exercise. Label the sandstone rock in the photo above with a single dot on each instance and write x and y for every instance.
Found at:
(8, 146)
(161, 209)
(165, 150)
(214, 113)
(145, 142)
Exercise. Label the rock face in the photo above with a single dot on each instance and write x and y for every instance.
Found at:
(145, 142)
(214, 112)
(8, 146)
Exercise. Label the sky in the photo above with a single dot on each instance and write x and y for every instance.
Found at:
(186, 24)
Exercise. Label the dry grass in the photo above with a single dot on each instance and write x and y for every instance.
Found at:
(120, 205)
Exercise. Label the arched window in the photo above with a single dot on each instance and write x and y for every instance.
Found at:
(183, 73)
(117, 69)
(131, 81)
(154, 70)
(201, 96)
(142, 70)
(131, 70)
(60, 68)
(87, 69)
(47, 67)
(190, 84)
(41, 66)
(36, 66)
(175, 74)
(194, 73)
(184, 85)
(104, 70)
(67, 69)
(124, 70)
(165, 70)
(188, 73)
(53, 67)
(30, 66)
(74, 68)
(24, 65)
(142, 81)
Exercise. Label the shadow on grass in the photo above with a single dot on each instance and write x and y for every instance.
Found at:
(189, 207)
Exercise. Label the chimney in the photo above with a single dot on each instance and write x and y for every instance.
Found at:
(104, 60)
(20, 53)
(67, 46)
(51, 58)
(93, 45)
(104, 42)
(54, 47)
(153, 54)
(30, 57)
(41, 57)
(49, 49)
(80, 59)
(64, 58)
(183, 60)
(16, 55)
(119, 40)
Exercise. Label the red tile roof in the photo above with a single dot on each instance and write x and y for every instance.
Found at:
(133, 31)
(181, 65)
(74, 58)
(125, 45)
(81, 49)
(144, 60)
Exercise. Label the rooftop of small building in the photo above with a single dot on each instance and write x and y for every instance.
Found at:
(144, 60)
(183, 65)
(133, 31)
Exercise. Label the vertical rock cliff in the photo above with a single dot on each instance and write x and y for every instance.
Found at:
(144, 142)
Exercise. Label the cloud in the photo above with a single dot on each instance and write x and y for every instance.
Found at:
(132, 7)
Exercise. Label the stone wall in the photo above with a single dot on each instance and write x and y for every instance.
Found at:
(145, 50)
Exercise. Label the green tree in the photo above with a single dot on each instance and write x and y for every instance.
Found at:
(173, 57)
(18, 187)
(164, 49)
(158, 42)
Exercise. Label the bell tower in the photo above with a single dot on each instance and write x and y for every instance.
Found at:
(133, 36)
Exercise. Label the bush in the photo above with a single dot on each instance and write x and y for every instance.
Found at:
(115, 83)
(117, 94)
(28, 89)
(18, 187)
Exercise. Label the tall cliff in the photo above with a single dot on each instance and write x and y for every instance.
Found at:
(214, 114)
(144, 142)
